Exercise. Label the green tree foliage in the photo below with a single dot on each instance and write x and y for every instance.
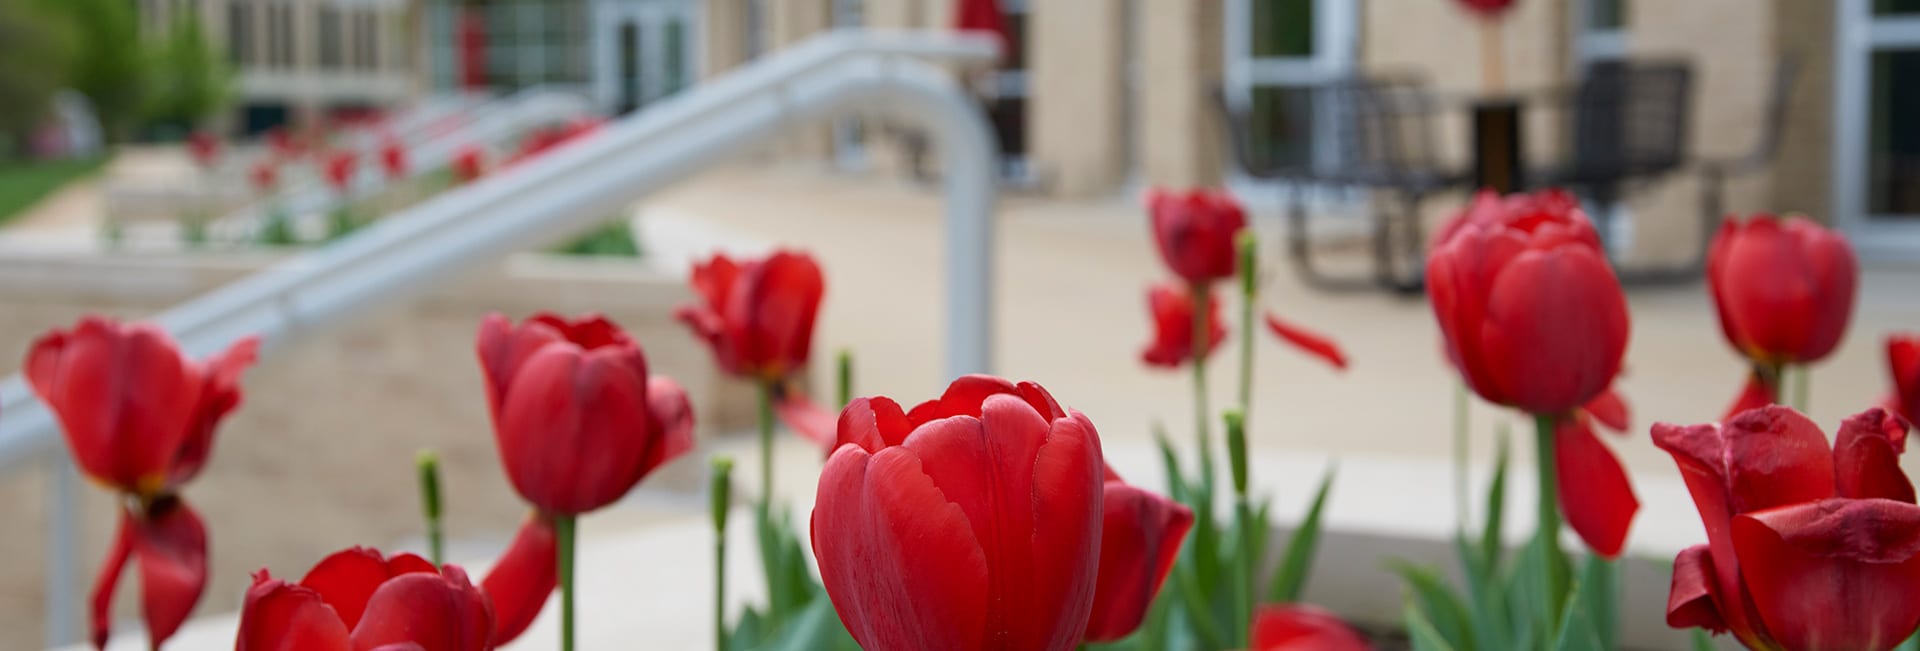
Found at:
(34, 47)
(110, 69)
(190, 80)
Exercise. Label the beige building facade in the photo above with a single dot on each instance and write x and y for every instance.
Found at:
(1114, 95)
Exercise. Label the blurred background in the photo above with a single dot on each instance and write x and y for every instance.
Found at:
(134, 135)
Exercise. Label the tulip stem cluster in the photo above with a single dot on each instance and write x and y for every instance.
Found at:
(1202, 340)
(564, 539)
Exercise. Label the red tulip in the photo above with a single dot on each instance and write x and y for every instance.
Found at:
(340, 168)
(355, 600)
(1808, 547)
(393, 158)
(139, 417)
(1784, 291)
(971, 522)
(1903, 358)
(204, 147)
(577, 420)
(1171, 306)
(265, 176)
(468, 164)
(1487, 8)
(757, 317)
(1139, 539)
(1300, 627)
(282, 143)
(1311, 342)
(1195, 232)
(1533, 318)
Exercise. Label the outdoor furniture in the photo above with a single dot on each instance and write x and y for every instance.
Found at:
(1628, 129)
(1381, 139)
(1714, 173)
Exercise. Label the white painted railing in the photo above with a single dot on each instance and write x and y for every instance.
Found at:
(569, 190)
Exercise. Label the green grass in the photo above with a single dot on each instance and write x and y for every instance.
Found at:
(23, 184)
(615, 238)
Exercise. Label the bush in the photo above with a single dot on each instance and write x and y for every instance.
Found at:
(35, 46)
(110, 69)
(190, 80)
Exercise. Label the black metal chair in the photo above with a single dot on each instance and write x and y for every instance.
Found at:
(1715, 172)
(1628, 129)
(1382, 140)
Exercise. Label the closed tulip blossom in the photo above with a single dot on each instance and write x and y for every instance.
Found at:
(1784, 291)
(393, 158)
(355, 599)
(139, 418)
(1809, 547)
(972, 521)
(204, 147)
(339, 171)
(578, 423)
(1140, 537)
(1195, 233)
(1533, 318)
(265, 177)
(1301, 627)
(469, 164)
(1903, 359)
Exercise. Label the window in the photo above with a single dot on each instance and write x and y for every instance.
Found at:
(1600, 31)
(331, 37)
(1603, 15)
(1281, 28)
(1278, 51)
(240, 33)
(1895, 7)
(1893, 137)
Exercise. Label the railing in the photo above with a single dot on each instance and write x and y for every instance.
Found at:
(567, 191)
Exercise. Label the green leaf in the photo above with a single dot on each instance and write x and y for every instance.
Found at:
(748, 632)
(1170, 461)
(1527, 598)
(1577, 631)
(1486, 601)
(1599, 585)
(814, 628)
(1421, 632)
(1701, 642)
(1290, 579)
(1490, 542)
(1442, 607)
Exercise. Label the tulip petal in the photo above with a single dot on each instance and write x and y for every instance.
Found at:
(1610, 409)
(1140, 537)
(443, 612)
(671, 415)
(1757, 393)
(1833, 574)
(104, 585)
(219, 397)
(1866, 457)
(281, 616)
(1903, 360)
(899, 560)
(171, 545)
(1171, 307)
(1555, 329)
(806, 417)
(873, 424)
(774, 309)
(1761, 459)
(124, 395)
(522, 580)
(347, 578)
(1594, 490)
(1312, 343)
(1690, 602)
(502, 348)
(1302, 627)
(574, 431)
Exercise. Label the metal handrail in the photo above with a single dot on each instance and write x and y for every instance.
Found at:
(572, 188)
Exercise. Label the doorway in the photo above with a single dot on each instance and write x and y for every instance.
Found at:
(643, 52)
(1876, 166)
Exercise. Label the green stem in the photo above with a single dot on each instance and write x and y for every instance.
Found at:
(1802, 385)
(1549, 520)
(845, 378)
(429, 465)
(563, 535)
(1249, 298)
(766, 447)
(721, 497)
(1460, 426)
(1202, 328)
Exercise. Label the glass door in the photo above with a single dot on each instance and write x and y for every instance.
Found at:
(849, 133)
(1877, 153)
(643, 51)
(1277, 52)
